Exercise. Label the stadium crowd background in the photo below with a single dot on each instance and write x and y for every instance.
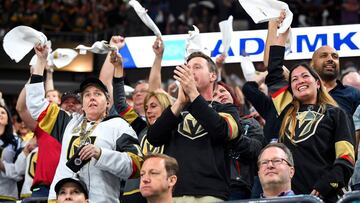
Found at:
(90, 20)
(87, 21)
(171, 16)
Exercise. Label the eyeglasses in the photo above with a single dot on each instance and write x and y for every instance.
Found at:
(275, 162)
(142, 91)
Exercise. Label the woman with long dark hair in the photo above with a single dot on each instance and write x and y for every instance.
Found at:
(309, 122)
(301, 114)
(8, 145)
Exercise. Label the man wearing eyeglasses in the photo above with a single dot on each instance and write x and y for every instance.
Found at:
(276, 168)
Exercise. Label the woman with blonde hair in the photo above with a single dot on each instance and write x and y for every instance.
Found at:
(155, 102)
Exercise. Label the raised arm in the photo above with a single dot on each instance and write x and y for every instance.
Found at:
(107, 69)
(155, 72)
(271, 38)
(47, 114)
(274, 55)
(49, 81)
(126, 112)
(23, 111)
(35, 99)
(118, 82)
(219, 61)
(41, 52)
(220, 65)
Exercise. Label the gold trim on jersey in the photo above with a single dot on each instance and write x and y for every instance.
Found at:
(131, 192)
(47, 123)
(7, 198)
(147, 148)
(32, 162)
(281, 100)
(233, 128)
(344, 148)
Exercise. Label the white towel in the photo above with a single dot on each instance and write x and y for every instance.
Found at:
(248, 68)
(59, 58)
(21, 40)
(142, 13)
(194, 43)
(226, 28)
(265, 10)
(99, 47)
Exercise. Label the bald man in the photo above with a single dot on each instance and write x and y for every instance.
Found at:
(325, 61)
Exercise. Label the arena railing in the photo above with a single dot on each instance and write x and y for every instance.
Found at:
(350, 197)
(286, 199)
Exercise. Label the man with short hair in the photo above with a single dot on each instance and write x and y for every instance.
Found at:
(325, 61)
(71, 190)
(158, 178)
(276, 168)
(196, 130)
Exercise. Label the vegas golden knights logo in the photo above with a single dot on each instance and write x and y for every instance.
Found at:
(190, 127)
(306, 125)
(32, 164)
(74, 145)
(147, 148)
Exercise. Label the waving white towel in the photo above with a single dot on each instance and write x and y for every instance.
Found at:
(194, 43)
(21, 40)
(99, 47)
(248, 68)
(226, 28)
(141, 12)
(265, 10)
(59, 58)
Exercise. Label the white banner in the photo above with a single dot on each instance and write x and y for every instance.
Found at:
(138, 52)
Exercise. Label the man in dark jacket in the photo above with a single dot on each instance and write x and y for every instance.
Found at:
(196, 131)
